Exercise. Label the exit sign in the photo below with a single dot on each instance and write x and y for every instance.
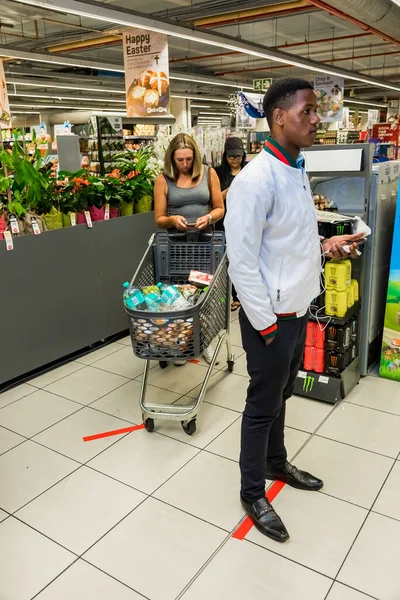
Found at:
(261, 85)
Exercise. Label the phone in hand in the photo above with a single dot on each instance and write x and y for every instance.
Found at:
(191, 224)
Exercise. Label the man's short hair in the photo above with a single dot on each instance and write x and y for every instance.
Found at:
(282, 94)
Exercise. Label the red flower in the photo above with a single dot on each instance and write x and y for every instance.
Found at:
(115, 174)
(133, 174)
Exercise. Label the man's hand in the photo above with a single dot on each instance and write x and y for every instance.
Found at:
(334, 246)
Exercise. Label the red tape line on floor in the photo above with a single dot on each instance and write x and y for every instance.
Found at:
(194, 361)
(98, 436)
(247, 524)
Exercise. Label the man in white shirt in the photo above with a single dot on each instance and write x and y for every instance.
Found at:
(275, 261)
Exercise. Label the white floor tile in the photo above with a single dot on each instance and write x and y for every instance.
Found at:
(84, 582)
(66, 437)
(55, 374)
(15, 394)
(225, 389)
(8, 439)
(3, 515)
(306, 414)
(126, 341)
(349, 473)
(228, 443)
(241, 367)
(378, 393)
(236, 336)
(123, 362)
(388, 502)
(222, 365)
(87, 385)
(373, 563)
(28, 560)
(364, 428)
(144, 460)
(211, 421)
(321, 529)
(160, 541)
(29, 470)
(208, 488)
(36, 412)
(101, 352)
(177, 379)
(342, 592)
(124, 401)
(80, 509)
(244, 571)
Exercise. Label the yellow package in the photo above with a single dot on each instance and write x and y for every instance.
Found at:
(350, 296)
(354, 285)
(337, 275)
(336, 303)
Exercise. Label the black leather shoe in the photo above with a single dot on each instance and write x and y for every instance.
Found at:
(296, 478)
(266, 520)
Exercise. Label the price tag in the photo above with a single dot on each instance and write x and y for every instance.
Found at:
(301, 374)
(323, 379)
(14, 225)
(107, 213)
(35, 227)
(73, 219)
(9, 240)
(88, 219)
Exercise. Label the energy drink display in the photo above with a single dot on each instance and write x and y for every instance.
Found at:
(330, 349)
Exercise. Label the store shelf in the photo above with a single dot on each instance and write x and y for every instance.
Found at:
(328, 388)
(352, 312)
(139, 137)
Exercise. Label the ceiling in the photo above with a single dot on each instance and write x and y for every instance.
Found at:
(34, 40)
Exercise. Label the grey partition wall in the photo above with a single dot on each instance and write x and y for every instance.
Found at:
(61, 291)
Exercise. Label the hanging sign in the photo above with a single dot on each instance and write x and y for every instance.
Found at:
(329, 92)
(146, 73)
(261, 85)
(5, 117)
(373, 116)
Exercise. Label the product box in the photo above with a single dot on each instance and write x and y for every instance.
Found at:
(200, 279)
(338, 338)
(314, 359)
(335, 363)
(315, 335)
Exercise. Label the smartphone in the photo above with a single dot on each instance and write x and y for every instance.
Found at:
(190, 224)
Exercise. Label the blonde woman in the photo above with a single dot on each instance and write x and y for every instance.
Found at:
(187, 195)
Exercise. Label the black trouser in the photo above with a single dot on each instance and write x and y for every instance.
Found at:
(273, 370)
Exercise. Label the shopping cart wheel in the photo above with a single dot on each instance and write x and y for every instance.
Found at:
(231, 364)
(149, 425)
(189, 428)
(163, 364)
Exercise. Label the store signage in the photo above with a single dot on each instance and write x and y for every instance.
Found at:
(146, 73)
(373, 117)
(5, 117)
(9, 240)
(261, 85)
(329, 90)
(386, 132)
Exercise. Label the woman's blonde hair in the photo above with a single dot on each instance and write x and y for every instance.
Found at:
(180, 141)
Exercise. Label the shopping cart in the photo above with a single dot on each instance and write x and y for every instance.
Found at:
(185, 334)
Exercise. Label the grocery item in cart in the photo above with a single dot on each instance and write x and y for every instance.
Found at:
(133, 298)
(200, 279)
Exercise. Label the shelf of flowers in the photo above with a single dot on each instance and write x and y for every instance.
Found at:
(29, 191)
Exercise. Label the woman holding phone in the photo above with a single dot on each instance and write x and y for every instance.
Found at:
(187, 195)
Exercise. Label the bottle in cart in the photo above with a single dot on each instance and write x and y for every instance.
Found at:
(133, 298)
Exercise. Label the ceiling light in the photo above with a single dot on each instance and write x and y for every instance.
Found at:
(210, 81)
(198, 98)
(351, 101)
(62, 86)
(215, 113)
(76, 107)
(103, 12)
(200, 106)
(24, 112)
(55, 97)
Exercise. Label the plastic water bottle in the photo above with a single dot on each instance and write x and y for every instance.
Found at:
(169, 293)
(133, 298)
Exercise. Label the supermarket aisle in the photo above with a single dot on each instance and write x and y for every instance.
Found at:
(152, 515)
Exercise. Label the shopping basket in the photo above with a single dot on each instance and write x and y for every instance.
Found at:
(185, 334)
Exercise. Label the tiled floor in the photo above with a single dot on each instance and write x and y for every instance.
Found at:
(151, 516)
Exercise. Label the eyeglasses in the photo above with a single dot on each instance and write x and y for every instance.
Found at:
(235, 157)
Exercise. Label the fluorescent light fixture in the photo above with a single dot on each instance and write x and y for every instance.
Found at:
(200, 106)
(24, 112)
(63, 86)
(397, 2)
(35, 106)
(351, 101)
(215, 113)
(109, 113)
(198, 98)
(199, 79)
(103, 12)
(55, 97)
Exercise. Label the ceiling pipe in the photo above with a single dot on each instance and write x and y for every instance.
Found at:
(281, 46)
(255, 14)
(88, 43)
(330, 60)
(346, 17)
